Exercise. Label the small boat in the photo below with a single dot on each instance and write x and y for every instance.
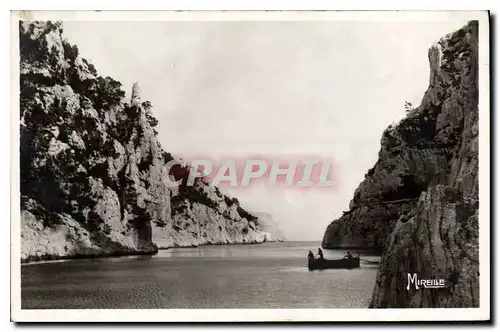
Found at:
(324, 264)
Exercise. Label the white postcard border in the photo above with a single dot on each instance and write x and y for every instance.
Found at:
(252, 315)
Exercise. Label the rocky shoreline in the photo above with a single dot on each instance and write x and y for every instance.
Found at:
(52, 258)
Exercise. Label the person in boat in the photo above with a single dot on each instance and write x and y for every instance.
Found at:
(320, 253)
(348, 256)
(310, 255)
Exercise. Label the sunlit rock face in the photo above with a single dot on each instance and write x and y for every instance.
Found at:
(92, 168)
(202, 214)
(419, 203)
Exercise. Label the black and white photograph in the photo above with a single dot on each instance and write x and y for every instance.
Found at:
(288, 164)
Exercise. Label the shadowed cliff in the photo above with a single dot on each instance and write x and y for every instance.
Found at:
(419, 203)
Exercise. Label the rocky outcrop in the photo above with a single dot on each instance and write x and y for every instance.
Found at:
(439, 240)
(203, 215)
(419, 203)
(92, 168)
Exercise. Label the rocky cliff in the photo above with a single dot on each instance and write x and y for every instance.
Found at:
(419, 203)
(92, 168)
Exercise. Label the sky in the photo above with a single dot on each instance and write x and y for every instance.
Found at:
(324, 88)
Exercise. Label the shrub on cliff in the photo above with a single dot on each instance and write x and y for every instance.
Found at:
(153, 122)
(91, 67)
(408, 106)
(70, 51)
(231, 201)
(244, 214)
(106, 92)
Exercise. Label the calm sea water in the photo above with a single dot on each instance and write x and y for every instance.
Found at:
(270, 275)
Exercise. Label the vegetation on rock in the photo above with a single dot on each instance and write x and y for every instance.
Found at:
(91, 167)
(419, 203)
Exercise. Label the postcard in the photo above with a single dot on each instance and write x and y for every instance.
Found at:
(257, 166)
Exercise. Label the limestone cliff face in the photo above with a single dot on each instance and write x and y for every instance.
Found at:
(419, 203)
(92, 169)
(203, 215)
